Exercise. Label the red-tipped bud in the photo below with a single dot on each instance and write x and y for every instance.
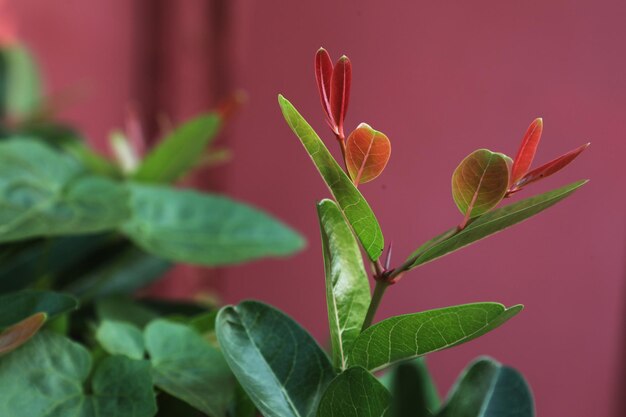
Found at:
(340, 92)
(323, 75)
(527, 151)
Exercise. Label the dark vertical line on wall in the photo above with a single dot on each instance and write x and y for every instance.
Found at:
(221, 23)
(148, 75)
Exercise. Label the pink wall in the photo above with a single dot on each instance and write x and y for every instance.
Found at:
(440, 79)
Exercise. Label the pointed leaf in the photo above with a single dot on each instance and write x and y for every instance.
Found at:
(121, 338)
(340, 91)
(18, 334)
(524, 158)
(20, 83)
(480, 182)
(412, 335)
(50, 376)
(413, 390)
(352, 203)
(489, 389)
(551, 167)
(355, 393)
(277, 363)
(367, 153)
(347, 286)
(187, 226)
(15, 307)
(187, 367)
(323, 74)
(489, 224)
(180, 151)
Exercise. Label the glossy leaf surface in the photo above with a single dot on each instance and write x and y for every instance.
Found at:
(15, 307)
(350, 200)
(489, 389)
(187, 367)
(179, 151)
(355, 393)
(551, 167)
(205, 229)
(526, 153)
(367, 153)
(340, 83)
(278, 363)
(489, 224)
(347, 286)
(413, 390)
(480, 182)
(18, 334)
(121, 338)
(412, 335)
(46, 377)
(45, 193)
(323, 74)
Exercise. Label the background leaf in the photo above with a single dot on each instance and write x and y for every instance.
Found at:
(20, 85)
(18, 334)
(367, 153)
(179, 151)
(205, 229)
(355, 393)
(15, 307)
(45, 193)
(489, 224)
(46, 377)
(277, 363)
(480, 182)
(121, 338)
(488, 389)
(413, 390)
(347, 286)
(412, 335)
(187, 367)
(352, 203)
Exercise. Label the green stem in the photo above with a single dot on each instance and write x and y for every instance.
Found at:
(379, 291)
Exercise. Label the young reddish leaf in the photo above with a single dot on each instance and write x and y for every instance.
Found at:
(18, 334)
(550, 168)
(479, 183)
(323, 75)
(367, 153)
(527, 150)
(340, 92)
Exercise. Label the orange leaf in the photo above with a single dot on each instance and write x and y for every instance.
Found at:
(367, 153)
(551, 167)
(323, 74)
(18, 334)
(340, 92)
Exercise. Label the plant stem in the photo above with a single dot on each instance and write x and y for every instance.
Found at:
(379, 291)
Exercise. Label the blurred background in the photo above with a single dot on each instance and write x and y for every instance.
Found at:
(441, 79)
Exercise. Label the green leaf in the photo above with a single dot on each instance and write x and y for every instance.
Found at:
(117, 308)
(119, 338)
(355, 393)
(45, 193)
(20, 86)
(179, 151)
(489, 389)
(15, 307)
(489, 224)
(205, 229)
(347, 287)
(47, 377)
(413, 390)
(412, 335)
(277, 363)
(352, 203)
(480, 182)
(188, 368)
(18, 334)
(124, 273)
